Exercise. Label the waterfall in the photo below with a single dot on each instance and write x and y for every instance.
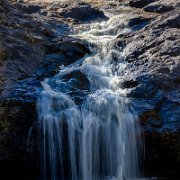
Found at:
(96, 140)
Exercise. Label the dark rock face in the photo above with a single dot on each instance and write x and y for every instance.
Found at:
(79, 77)
(158, 8)
(162, 155)
(138, 23)
(129, 84)
(152, 55)
(29, 9)
(83, 12)
(140, 3)
(16, 119)
(61, 54)
(30, 51)
(77, 85)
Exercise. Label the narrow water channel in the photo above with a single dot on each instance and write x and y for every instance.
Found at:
(97, 138)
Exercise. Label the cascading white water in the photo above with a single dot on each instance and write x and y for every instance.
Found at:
(97, 140)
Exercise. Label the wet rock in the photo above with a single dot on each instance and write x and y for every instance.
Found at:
(151, 118)
(16, 119)
(23, 43)
(30, 52)
(25, 90)
(153, 52)
(75, 84)
(83, 12)
(140, 3)
(21, 66)
(158, 8)
(81, 82)
(51, 65)
(3, 4)
(17, 114)
(138, 22)
(48, 32)
(160, 149)
(72, 49)
(29, 9)
(170, 20)
(152, 57)
(3, 54)
(79, 85)
(143, 91)
(129, 84)
(32, 9)
(62, 54)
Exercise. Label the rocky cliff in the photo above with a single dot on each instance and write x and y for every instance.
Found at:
(33, 45)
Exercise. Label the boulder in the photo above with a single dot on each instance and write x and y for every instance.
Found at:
(158, 8)
(61, 54)
(74, 83)
(83, 12)
(139, 22)
(140, 3)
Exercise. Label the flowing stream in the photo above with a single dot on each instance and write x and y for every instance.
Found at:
(95, 139)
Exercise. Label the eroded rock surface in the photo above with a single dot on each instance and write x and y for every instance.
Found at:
(140, 3)
(153, 58)
(33, 46)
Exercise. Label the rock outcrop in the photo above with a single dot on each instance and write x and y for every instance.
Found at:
(153, 62)
(32, 48)
(33, 44)
(140, 3)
